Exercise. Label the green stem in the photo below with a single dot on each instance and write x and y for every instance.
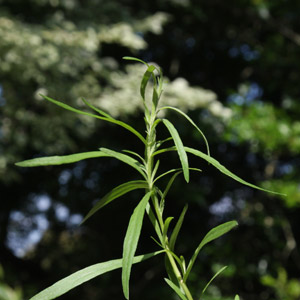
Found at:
(149, 162)
(178, 275)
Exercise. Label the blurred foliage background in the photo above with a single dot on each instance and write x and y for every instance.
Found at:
(232, 65)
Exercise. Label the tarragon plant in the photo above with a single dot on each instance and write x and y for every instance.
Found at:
(152, 204)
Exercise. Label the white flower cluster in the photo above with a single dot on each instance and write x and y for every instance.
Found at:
(123, 98)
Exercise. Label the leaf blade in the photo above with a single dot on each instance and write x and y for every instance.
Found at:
(115, 193)
(166, 226)
(135, 59)
(66, 284)
(125, 159)
(192, 122)
(224, 170)
(99, 111)
(213, 234)
(59, 160)
(211, 280)
(110, 120)
(145, 80)
(179, 147)
(177, 228)
(131, 241)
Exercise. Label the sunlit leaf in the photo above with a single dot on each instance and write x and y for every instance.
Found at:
(134, 154)
(166, 173)
(210, 236)
(145, 80)
(217, 165)
(126, 159)
(179, 147)
(191, 121)
(116, 193)
(70, 282)
(135, 59)
(221, 168)
(131, 241)
(99, 111)
(110, 120)
(236, 297)
(60, 160)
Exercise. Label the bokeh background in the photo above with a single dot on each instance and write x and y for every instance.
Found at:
(232, 65)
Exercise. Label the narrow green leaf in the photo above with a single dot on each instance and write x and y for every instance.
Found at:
(135, 59)
(170, 271)
(99, 111)
(128, 127)
(159, 143)
(210, 236)
(125, 159)
(145, 80)
(174, 170)
(176, 289)
(135, 154)
(236, 297)
(183, 264)
(155, 170)
(154, 221)
(177, 228)
(208, 284)
(120, 123)
(131, 241)
(217, 165)
(179, 147)
(157, 242)
(68, 107)
(155, 99)
(170, 184)
(116, 193)
(164, 150)
(166, 226)
(166, 173)
(222, 169)
(160, 82)
(60, 160)
(70, 282)
(192, 122)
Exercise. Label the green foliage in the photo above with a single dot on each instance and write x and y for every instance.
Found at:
(6, 292)
(60, 160)
(131, 239)
(115, 193)
(249, 124)
(63, 286)
(179, 148)
(248, 43)
(147, 167)
(286, 289)
(210, 236)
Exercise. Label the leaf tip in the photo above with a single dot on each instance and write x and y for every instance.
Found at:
(187, 178)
